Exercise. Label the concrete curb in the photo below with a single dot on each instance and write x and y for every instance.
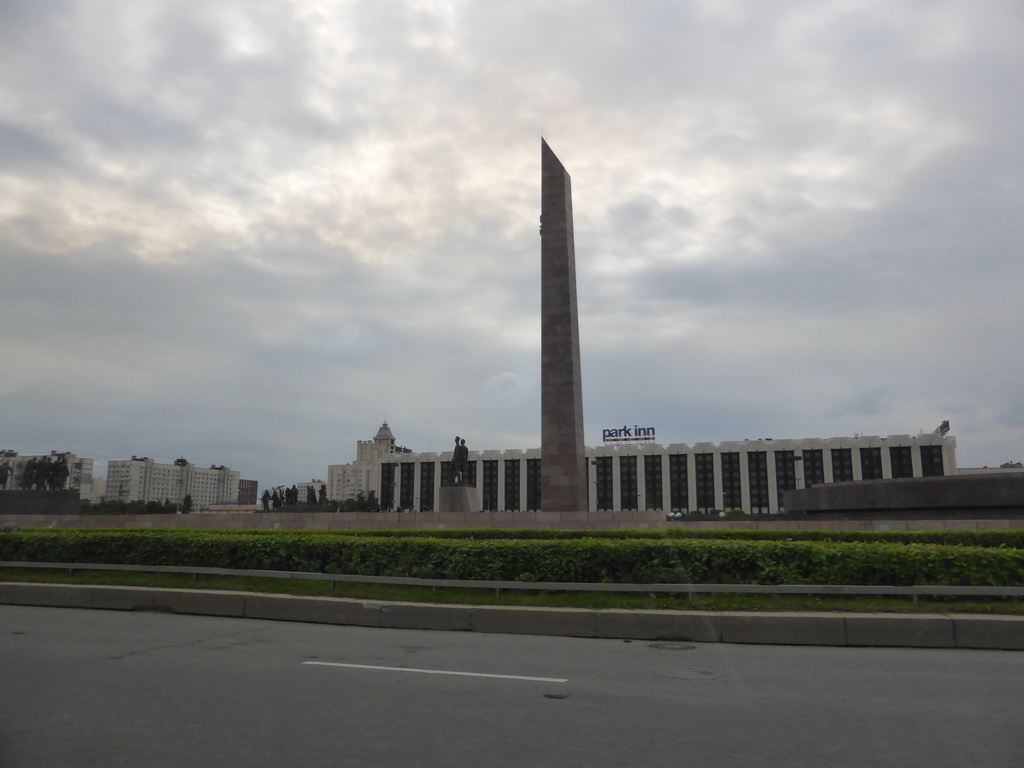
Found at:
(823, 629)
(784, 628)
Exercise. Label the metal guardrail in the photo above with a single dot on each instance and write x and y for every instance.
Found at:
(548, 586)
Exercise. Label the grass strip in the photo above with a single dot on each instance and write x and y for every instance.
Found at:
(593, 601)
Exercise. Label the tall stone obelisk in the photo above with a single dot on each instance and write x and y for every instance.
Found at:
(563, 468)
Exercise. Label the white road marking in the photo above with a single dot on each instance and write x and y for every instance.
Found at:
(438, 672)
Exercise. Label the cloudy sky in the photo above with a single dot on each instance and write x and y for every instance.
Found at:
(248, 232)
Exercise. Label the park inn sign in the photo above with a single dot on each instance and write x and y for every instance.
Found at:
(632, 434)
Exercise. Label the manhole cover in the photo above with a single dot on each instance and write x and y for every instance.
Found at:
(689, 674)
(673, 646)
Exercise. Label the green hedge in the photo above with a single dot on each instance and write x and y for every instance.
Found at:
(1004, 537)
(628, 560)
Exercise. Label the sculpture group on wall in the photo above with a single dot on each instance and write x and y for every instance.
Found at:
(289, 497)
(43, 474)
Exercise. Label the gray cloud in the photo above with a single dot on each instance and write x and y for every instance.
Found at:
(248, 233)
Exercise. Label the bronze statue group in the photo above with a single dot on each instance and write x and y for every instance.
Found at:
(43, 474)
(289, 497)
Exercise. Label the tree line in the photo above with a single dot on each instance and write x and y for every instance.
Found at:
(112, 507)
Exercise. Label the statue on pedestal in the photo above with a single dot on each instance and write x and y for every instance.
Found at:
(460, 458)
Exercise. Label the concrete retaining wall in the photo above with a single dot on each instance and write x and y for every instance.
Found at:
(978, 494)
(35, 503)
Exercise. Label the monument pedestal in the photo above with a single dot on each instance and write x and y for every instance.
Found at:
(40, 503)
(455, 498)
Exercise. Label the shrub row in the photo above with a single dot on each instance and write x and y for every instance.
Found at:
(1005, 537)
(673, 560)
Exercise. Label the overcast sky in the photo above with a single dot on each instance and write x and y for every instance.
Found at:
(247, 233)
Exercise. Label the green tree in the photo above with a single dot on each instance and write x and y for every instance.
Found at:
(186, 503)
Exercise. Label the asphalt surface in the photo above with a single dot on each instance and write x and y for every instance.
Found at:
(119, 688)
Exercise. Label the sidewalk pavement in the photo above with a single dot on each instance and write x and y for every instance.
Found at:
(781, 628)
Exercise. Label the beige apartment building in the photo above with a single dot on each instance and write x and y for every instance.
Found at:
(142, 479)
(346, 481)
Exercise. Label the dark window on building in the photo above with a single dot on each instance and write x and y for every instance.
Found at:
(679, 492)
(427, 486)
(902, 462)
(407, 485)
(387, 485)
(842, 465)
(732, 491)
(511, 485)
(533, 484)
(871, 463)
(627, 482)
(785, 473)
(652, 482)
(704, 469)
(931, 461)
(757, 472)
(470, 478)
(603, 481)
(490, 489)
(814, 468)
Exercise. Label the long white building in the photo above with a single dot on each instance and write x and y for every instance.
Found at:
(749, 475)
(142, 479)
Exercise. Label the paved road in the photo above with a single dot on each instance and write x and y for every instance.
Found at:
(98, 688)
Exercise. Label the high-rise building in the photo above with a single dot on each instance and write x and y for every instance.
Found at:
(248, 491)
(98, 491)
(346, 481)
(142, 479)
